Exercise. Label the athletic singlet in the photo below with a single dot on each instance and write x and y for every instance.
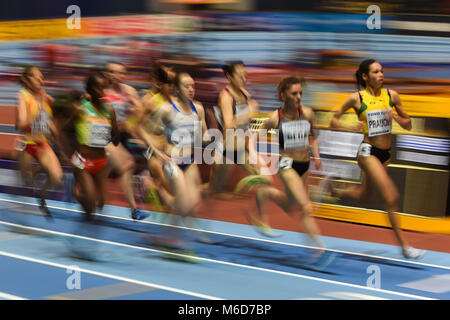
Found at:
(293, 134)
(374, 113)
(93, 128)
(189, 123)
(119, 101)
(240, 110)
(40, 115)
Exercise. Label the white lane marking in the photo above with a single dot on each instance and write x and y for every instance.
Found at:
(351, 296)
(242, 237)
(106, 275)
(10, 296)
(219, 262)
(434, 284)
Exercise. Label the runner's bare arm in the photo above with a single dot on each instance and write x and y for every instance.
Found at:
(136, 102)
(115, 133)
(149, 140)
(313, 142)
(21, 113)
(272, 122)
(226, 107)
(254, 107)
(349, 103)
(401, 117)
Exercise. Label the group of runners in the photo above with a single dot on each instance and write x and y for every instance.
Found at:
(111, 128)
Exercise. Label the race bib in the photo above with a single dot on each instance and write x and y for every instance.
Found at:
(20, 145)
(77, 160)
(378, 122)
(170, 170)
(296, 134)
(148, 153)
(40, 125)
(364, 150)
(99, 135)
(285, 163)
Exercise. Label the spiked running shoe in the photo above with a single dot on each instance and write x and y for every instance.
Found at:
(249, 182)
(137, 214)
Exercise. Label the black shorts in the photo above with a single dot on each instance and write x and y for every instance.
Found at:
(299, 166)
(382, 154)
(185, 166)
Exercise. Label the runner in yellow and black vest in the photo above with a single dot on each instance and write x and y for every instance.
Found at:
(376, 107)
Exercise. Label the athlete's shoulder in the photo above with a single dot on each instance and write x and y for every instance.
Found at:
(356, 96)
(391, 92)
(246, 93)
(307, 109)
(225, 92)
(353, 100)
(129, 89)
(225, 95)
(308, 112)
(198, 105)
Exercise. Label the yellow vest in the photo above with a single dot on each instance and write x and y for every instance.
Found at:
(38, 116)
(374, 113)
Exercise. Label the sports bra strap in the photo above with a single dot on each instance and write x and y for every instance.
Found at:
(178, 110)
(193, 107)
(174, 106)
(390, 98)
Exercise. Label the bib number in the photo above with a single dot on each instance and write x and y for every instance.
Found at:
(285, 163)
(296, 134)
(20, 145)
(148, 153)
(40, 124)
(170, 170)
(379, 122)
(77, 160)
(364, 150)
(100, 135)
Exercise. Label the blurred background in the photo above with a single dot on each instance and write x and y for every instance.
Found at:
(323, 41)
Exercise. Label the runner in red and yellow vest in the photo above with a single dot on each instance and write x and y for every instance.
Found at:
(34, 118)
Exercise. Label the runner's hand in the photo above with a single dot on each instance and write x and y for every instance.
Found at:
(358, 127)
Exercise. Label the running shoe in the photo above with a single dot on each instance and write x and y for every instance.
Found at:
(203, 237)
(321, 261)
(413, 253)
(263, 228)
(80, 249)
(251, 181)
(137, 214)
(44, 209)
(175, 249)
(182, 255)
